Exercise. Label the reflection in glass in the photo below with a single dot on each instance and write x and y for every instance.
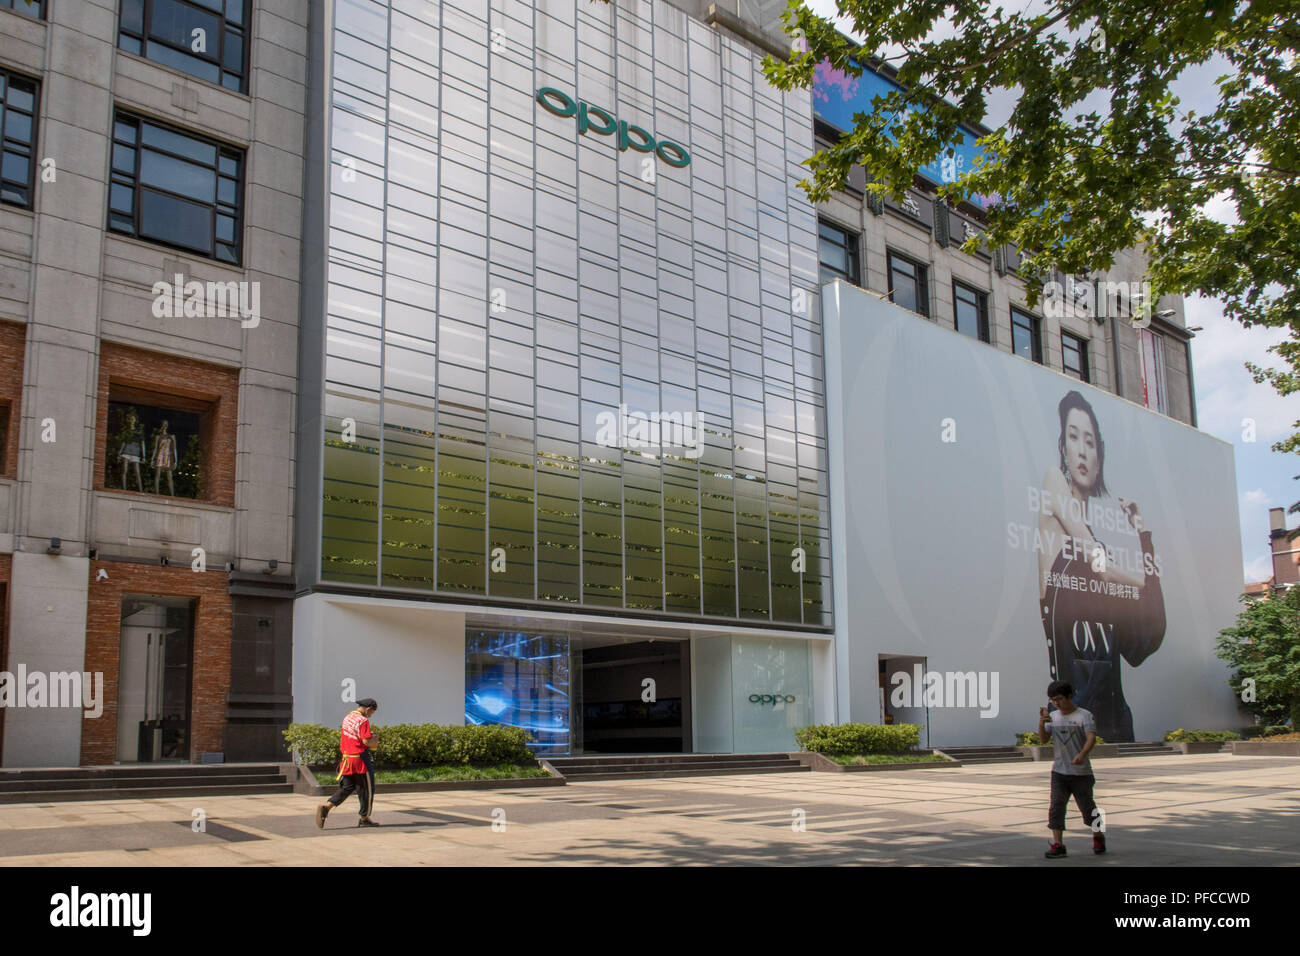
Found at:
(664, 298)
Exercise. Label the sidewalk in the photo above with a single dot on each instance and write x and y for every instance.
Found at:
(1215, 810)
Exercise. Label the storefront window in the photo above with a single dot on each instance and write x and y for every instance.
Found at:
(751, 694)
(154, 449)
(520, 680)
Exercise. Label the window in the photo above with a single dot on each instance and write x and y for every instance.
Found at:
(5, 414)
(155, 447)
(17, 138)
(907, 284)
(838, 254)
(191, 455)
(1155, 395)
(1074, 356)
(33, 8)
(970, 311)
(204, 38)
(176, 189)
(1026, 339)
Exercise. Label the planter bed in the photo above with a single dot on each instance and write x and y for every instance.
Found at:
(823, 764)
(1258, 748)
(309, 784)
(1196, 746)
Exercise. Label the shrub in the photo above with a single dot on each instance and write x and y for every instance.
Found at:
(1181, 736)
(1032, 740)
(315, 744)
(858, 738)
(413, 745)
(1272, 730)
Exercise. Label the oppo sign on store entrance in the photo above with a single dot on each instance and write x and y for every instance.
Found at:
(596, 120)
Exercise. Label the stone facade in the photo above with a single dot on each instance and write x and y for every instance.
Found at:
(79, 299)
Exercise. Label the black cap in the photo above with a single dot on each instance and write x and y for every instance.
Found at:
(367, 702)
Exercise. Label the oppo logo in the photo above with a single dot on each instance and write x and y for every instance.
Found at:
(772, 699)
(596, 120)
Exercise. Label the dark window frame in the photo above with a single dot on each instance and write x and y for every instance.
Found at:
(217, 206)
(17, 147)
(981, 306)
(22, 8)
(849, 244)
(921, 280)
(6, 422)
(1034, 325)
(1079, 346)
(137, 41)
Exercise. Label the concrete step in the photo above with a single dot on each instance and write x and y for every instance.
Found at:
(146, 793)
(1145, 750)
(978, 755)
(627, 767)
(126, 772)
(137, 782)
(656, 774)
(653, 759)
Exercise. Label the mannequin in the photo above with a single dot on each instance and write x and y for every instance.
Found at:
(132, 450)
(163, 459)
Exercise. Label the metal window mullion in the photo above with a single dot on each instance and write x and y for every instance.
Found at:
(383, 298)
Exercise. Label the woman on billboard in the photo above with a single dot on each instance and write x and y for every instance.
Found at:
(1099, 591)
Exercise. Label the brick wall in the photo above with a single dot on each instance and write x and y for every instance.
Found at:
(12, 348)
(185, 378)
(210, 667)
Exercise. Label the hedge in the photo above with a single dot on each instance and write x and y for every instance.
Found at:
(850, 739)
(1031, 739)
(414, 745)
(1181, 736)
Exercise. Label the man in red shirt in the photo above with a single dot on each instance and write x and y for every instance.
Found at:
(357, 768)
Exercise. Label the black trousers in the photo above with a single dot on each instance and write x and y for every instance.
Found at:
(1063, 787)
(362, 784)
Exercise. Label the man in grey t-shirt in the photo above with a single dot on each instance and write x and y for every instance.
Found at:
(1074, 734)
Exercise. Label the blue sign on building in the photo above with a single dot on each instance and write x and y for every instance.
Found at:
(837, 96)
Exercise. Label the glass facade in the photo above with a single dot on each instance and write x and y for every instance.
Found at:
(751, 693)
(557, 372)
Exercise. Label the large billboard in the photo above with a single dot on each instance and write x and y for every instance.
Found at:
(838, 97)
(997, 525)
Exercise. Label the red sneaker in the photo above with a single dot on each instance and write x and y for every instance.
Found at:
(1057, 849)
(1098, 843)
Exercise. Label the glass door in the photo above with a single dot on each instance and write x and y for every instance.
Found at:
(154, 685)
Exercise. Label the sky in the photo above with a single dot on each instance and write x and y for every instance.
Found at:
(1225, 392)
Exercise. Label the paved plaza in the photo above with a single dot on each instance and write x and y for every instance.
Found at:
(1217, 810)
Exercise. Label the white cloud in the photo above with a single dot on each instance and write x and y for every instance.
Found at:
(1257, 497)
(1261, 569)
(1226, 393)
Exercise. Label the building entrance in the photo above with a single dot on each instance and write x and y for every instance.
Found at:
(153, 709)
(633, 697)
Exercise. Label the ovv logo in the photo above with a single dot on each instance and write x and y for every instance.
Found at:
(1089, 643)
(597, 120)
